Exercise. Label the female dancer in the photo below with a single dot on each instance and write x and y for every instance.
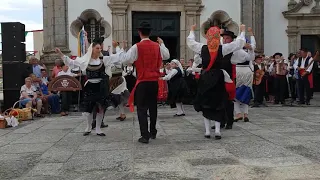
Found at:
(96, 89)
(177, 86)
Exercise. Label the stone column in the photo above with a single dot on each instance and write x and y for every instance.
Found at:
(293, 33)
(192, 13)
(55, 29)
(119, 20)
(252, 15)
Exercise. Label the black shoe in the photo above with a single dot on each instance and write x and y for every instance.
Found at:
(207, 136)
(238, 119)
(103, 125)
(217, 137)
(101, 134)
(86, 133)
(276, 102)
(308, 103)
(221, 126)
(143, 140)
(246, 119)
(118, 118)
(228, 127)
(255, 105)
(153, 136)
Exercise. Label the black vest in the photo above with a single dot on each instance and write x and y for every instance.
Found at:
(222, 62)
(306, 63)
(178, 75)
(99, 73)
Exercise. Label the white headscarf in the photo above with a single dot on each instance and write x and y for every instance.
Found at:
(84, 60)
(179, 65)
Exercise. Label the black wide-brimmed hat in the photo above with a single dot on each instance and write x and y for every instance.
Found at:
(145, 25)
(280, 54)
(229, 33)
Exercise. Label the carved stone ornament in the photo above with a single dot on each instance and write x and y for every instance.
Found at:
(222, 19)
(77, 24)
(65, 83)
(316, 8)
(294, 7)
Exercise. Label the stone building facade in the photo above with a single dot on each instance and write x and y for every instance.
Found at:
(59, 30)
(279, 26)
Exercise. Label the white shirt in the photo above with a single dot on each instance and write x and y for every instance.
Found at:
(132, 54)
(68, 73)
(238, 44)
(170, 75)
(295, 66)
(30, 91)
(108, 61)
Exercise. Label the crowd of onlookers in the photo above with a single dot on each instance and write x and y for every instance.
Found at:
(35, 93)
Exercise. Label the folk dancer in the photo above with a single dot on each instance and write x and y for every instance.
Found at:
(304, 65)
(147, 57)
(177, 87)
(96, 89)
(238, 56)
(259, 82)
(119, 91)
(280, 71)
(215, 87)
(244, 78)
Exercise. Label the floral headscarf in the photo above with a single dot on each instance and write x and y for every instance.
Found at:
(213, 42)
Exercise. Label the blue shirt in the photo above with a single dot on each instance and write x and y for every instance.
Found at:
(44, 89)
(37, 70)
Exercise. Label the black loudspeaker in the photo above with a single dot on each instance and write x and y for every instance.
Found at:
(13, 34)
(14, 75)
(13, 31)
(14, 52)
(10, 97)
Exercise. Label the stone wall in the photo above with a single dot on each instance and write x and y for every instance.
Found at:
(55, 29)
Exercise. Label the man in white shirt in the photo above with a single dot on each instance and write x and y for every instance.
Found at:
(304, 65)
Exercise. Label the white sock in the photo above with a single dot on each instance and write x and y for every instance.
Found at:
(179, 107)
(207, 126)
(89, 121)
(217, 129)
(182, 108)
(98, 122)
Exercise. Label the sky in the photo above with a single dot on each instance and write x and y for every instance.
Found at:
(28, 12)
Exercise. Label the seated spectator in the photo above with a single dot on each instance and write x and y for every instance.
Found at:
(52, 98)
(29, 96)
(36, 82)
(66, 96)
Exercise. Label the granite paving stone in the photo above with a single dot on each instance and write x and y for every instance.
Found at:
(279, 143)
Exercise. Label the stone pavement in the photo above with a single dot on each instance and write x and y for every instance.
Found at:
(279, 143)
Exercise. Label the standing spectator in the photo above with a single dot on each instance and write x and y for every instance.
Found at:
(36, 68)
(57, 68)
(43, 66)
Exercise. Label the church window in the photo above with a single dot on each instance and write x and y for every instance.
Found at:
(94, 29)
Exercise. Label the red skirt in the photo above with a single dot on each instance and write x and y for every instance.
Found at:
(162, 91)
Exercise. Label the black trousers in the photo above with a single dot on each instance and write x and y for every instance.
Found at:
(293, 83)
(304, 86)
(230, 111)
(280, 83)
(66, 100)
(259, 92)
(146, 99)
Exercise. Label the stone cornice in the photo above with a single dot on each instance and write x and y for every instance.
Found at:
(300, 15)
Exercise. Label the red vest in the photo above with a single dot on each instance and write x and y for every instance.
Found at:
(149, 61)
(147, 65)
